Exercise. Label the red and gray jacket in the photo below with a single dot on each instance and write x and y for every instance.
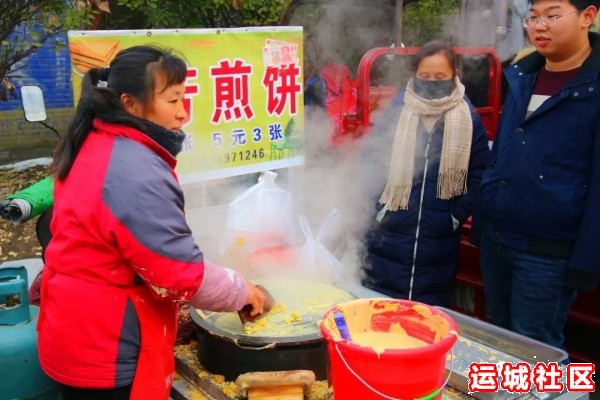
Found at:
(121, 259)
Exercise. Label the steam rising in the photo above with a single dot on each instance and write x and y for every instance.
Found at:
(349, 177)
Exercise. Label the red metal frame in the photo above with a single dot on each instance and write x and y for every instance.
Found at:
(367, 95)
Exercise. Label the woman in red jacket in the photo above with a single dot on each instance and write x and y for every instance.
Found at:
(122, 257)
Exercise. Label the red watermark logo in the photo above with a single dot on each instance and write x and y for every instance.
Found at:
(521, 377)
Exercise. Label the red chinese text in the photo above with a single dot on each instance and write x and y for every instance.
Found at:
(520, 377)
(191, 90)
(547, 378)
(483, 377)
(516, 378)
(231, 91)
(283, 88)
(579, 377)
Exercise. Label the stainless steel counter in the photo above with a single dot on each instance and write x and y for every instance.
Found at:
(478, 341)
(483, 342)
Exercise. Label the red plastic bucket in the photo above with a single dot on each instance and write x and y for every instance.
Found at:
(358, 372)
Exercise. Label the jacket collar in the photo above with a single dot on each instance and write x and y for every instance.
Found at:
(138, 136)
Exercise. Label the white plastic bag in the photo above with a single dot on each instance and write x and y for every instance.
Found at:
(260, 218)
(315, 261)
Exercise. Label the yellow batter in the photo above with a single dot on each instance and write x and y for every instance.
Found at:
(360, 313)
(300, 305)
(381, 341)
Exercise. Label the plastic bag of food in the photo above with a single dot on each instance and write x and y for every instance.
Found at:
(258, 219)
(315, 261)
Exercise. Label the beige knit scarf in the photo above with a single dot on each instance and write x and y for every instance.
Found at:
(456, 146)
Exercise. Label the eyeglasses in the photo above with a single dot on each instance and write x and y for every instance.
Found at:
(545, 21)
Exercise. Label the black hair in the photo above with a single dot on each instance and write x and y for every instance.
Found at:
(579, 4)
(133, 71)
(435, 47)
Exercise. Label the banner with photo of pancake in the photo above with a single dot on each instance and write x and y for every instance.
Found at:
(93, 53)
(244, 93)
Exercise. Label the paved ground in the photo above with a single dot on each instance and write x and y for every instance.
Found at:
(19, 241)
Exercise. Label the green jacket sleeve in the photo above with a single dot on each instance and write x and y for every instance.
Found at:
(40, 195)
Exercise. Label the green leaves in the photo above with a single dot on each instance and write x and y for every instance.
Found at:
(204, 13)
(426, 20)
(26, 24)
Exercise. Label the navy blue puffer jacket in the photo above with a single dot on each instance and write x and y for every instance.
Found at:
(413, 253)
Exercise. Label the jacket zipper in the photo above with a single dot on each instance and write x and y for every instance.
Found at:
(419, 215)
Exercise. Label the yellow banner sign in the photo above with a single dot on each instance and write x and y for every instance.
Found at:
(244, 93)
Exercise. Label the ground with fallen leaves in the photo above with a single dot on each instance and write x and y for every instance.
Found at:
(19, 241)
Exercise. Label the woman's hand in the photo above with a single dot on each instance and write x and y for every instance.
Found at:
(256, 298)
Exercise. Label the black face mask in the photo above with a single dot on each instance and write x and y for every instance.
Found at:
(433, 89)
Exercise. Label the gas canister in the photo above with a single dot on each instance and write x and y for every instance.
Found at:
(22, 376)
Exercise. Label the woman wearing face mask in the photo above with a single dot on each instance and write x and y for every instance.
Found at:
(122, 257)
(439, 149)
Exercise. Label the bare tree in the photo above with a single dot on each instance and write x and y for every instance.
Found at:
(26, 24)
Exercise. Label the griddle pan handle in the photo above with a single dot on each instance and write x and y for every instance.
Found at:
(267, 346)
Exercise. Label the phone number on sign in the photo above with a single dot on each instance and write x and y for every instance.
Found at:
(233, 157)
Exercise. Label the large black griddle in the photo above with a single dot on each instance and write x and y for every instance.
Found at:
(229, 354)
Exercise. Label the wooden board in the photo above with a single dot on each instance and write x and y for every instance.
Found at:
(291, 392)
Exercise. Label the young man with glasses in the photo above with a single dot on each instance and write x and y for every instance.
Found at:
(540, 195)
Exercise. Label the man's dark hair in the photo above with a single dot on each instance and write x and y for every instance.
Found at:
(579, 4)
(432, 48)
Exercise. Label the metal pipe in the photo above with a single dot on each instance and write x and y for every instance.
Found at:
(398, 22)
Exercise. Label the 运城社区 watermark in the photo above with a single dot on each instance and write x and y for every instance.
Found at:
(521, 377)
